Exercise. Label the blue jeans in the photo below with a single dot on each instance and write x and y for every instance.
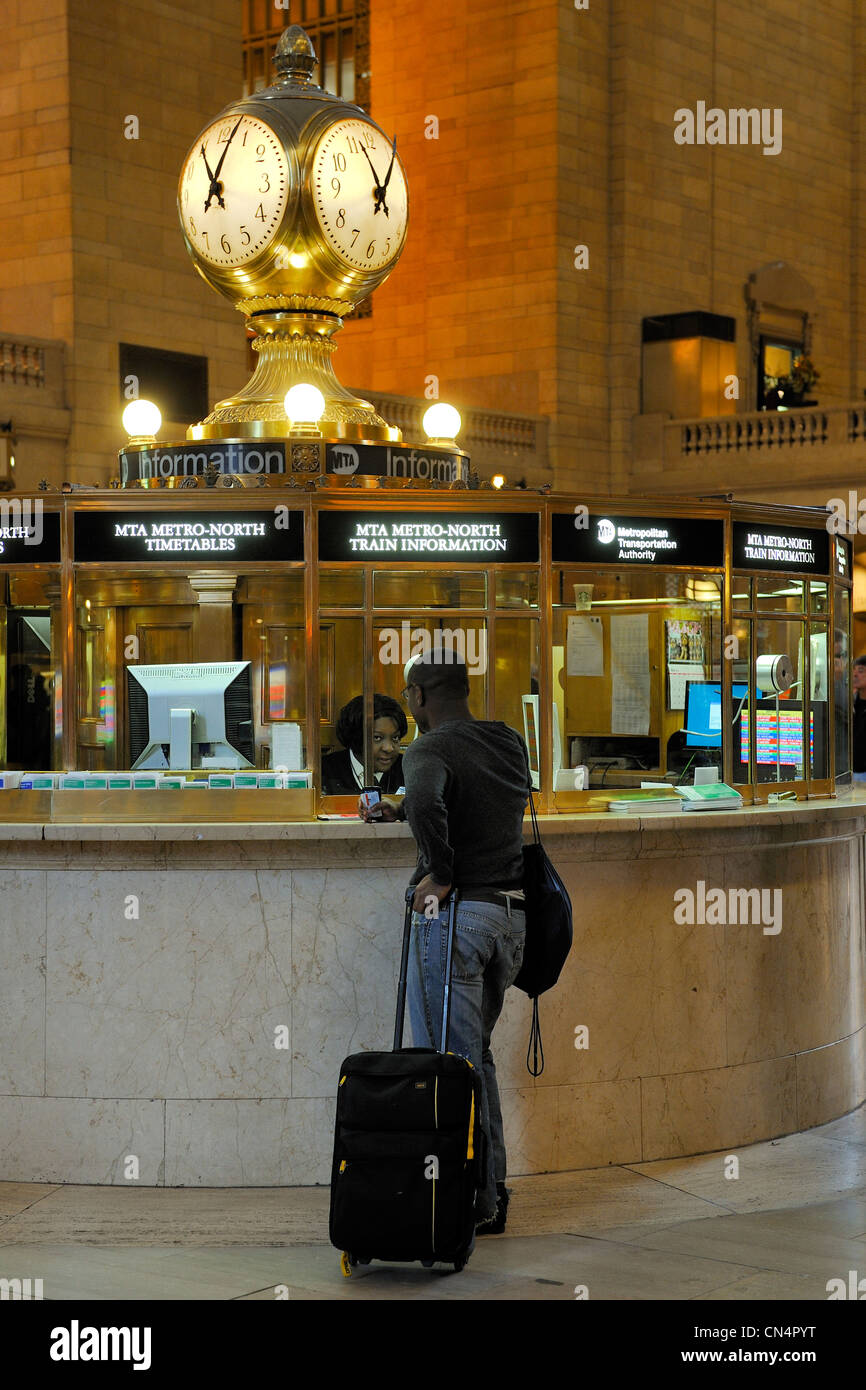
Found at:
(488, 953)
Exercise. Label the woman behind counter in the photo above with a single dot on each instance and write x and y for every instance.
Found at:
(343, 773)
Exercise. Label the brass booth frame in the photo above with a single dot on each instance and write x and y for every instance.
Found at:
(426, 503)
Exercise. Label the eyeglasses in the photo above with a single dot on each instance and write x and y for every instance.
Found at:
(404, 693)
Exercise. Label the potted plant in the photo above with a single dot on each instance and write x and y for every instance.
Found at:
(789, 392)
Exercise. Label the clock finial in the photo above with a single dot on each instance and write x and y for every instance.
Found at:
(295, 56)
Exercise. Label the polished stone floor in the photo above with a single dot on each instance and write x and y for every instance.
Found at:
(793, 1218)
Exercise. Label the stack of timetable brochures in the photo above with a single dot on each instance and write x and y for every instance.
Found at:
(711, 796)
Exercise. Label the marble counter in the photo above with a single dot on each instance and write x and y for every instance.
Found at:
(176, 1000)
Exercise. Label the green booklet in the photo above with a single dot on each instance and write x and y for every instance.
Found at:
(710, 791)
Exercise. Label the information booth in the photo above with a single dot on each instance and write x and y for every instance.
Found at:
(629, 642)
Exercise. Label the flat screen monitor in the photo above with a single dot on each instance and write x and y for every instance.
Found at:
(703, 713)
(204, 710)
(778, 737)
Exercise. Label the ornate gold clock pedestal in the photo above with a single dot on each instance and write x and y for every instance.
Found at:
(293, 347)
(294, 205)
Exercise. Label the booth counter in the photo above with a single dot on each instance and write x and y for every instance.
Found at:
(185, 993)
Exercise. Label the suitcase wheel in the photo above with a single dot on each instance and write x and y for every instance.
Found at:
(460, 1263)
(428, 1264)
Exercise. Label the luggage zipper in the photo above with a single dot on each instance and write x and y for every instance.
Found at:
(469, 1147)
(433, 1180)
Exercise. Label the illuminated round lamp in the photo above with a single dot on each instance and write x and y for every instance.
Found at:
(702, 591)
(141, 420)
(498, 480)
(304, 406)
(441, 424)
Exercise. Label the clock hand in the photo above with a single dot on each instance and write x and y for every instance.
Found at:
(380, 192)
(213, 186)
(216, 188)
(226, 150)
(206, 165)
(391, 165)
(375, 175)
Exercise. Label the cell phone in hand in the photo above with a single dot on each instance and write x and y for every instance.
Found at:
(371, 798)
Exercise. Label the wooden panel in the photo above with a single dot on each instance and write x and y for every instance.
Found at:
(96, 689)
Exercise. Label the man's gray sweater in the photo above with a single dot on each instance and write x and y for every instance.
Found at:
(467, 783)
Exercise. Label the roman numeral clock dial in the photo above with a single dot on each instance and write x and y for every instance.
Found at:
(360, 195)
(234, 189)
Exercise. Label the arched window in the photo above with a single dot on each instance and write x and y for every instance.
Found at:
(780, 304)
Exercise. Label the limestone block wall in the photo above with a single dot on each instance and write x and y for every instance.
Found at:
(153, 1034)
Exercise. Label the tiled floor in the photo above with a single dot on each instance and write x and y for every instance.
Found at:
(793, 1218)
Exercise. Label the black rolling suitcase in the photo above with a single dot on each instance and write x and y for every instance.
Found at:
(408, 1145)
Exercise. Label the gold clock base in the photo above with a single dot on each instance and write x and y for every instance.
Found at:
(293, 347)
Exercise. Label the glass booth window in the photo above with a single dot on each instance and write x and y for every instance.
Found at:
(636, 675)
(30, 712)
(842, 697)
(500, 650)
(341, 588)
(780, 714)
(126, 620)
(778, 594)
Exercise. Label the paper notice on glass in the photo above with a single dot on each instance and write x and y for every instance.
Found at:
(286, 746)
(584, 647)
(678, 673)
(630, 674)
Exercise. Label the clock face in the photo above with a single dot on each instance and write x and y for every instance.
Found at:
(360, 196)
(234, 189)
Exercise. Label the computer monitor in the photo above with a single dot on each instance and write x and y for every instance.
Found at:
(778, 737)
(196, 715)
(703, 712)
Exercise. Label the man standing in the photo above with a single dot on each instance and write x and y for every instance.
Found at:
(467, 783)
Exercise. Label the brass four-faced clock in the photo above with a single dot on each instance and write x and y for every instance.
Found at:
(294, 205)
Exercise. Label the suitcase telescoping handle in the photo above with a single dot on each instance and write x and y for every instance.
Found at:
(404, 969)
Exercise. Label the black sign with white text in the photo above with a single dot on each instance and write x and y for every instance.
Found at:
(28, 535)
(601, 538)
(259, 458)
(772, 547)
(186, 536)
(396, 461)
(425, 537)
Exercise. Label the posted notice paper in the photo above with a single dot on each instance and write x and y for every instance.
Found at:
(584, 646)
(630, 674)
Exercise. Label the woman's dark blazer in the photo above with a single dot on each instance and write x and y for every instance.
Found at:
(339, 780)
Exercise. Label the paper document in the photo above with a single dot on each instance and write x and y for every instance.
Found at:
(630, 674)
(585, 646)
(678, 673)
(286, 748)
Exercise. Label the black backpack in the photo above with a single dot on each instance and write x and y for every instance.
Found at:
(549, 933)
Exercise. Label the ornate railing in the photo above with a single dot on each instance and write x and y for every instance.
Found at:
(763, 430)
(749, 450)
(21, 363)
